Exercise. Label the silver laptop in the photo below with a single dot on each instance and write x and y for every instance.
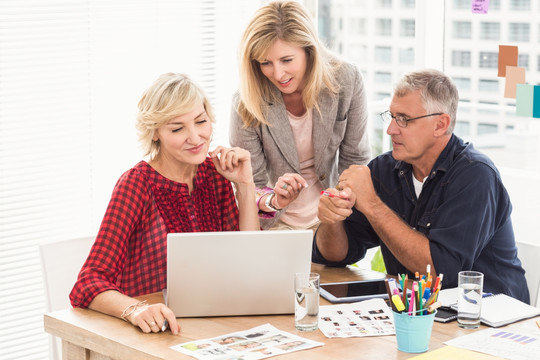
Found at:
(235, 272)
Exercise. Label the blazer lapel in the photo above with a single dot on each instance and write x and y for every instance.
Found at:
(323, 123)
(281, 132)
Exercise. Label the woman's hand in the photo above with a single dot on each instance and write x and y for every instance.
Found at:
(233, 163)
(287, 188)
(154, 318)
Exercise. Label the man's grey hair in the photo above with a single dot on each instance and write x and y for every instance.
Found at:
(437, 91)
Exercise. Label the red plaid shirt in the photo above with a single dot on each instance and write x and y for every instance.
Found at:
(130, 251)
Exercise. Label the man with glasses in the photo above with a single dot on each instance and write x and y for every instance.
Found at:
(433, 200)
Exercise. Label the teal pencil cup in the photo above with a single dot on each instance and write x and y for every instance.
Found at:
(413, 332)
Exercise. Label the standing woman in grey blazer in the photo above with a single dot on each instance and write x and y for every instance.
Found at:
(300, 111)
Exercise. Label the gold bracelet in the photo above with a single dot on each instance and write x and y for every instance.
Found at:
(131, 309)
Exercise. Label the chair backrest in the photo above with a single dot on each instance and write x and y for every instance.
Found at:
(61, 262)
(529, 255)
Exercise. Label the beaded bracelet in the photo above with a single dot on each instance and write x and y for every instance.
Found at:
(131, 309)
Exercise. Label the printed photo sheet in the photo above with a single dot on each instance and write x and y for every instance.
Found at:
(365, 318)
(257, 343)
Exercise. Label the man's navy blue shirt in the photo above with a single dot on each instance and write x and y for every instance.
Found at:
(464, 211)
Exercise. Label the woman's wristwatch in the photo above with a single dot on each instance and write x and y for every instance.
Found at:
(268, 202)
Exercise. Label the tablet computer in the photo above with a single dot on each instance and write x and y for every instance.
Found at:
(352, 291)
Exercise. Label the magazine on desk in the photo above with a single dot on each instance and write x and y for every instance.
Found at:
(365, 318)
(256, 343)
(497, 310)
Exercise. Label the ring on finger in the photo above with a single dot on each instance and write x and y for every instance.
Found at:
(284, 186)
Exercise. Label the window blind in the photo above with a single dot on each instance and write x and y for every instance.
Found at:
(71, 74)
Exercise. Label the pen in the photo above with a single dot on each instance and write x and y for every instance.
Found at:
(404, 295)
(329, 194)
(164, 326)
(389, 294)
(538, 323)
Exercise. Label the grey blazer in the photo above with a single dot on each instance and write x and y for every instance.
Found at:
(340, 136)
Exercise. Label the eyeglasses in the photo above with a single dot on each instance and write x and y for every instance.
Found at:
(401, 120)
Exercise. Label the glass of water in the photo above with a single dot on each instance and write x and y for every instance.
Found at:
(470, 298)
(306, 303)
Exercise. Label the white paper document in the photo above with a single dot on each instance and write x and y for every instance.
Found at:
(257, 343)
(365, 318)
(517, 342)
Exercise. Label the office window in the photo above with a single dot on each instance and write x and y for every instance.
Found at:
(462, 4)
(382, 96)
(384, 3)
(461, 58)
(406, 27)
(383, 27)
(408, 4)
(484, 129)
(383, 77)
(462, 128)
(518, 32)
(71, 74)
(357, 53)
(383, 54)
(406, 56)
(488, 59)
(357, 26)
(523, 61)
(522, 5)
(488, 85)
(490, 30)
(494, 5)
(462, 83)
(462, 29)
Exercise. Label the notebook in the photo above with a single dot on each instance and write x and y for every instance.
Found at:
(235, 272)
(497, 310)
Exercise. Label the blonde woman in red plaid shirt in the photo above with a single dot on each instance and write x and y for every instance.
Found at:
(181, 188)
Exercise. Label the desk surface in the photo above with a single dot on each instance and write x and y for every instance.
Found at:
(85, 332)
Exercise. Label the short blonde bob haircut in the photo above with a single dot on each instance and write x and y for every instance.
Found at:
(290, 22)
(170, 96)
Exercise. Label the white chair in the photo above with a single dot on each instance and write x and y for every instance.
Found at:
(529, 255)
(61, 262)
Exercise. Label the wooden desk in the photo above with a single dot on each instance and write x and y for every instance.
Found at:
(87, 334)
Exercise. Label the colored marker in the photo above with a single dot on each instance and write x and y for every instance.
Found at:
(329, 194)
(397, 301)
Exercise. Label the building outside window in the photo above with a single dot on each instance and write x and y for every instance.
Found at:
(383, 27)
(461, 58)
(383, 54)
(520, 5)
(485, 85)
(406, 56)
(490, 30)
(489, 59)
(518, 32)
(406, 27)
(523, 61)
(462, 29)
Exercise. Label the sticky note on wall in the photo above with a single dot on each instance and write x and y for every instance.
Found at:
(536, 102)
(524, 99)
(514, 75)
(508, 56)
(480, 6)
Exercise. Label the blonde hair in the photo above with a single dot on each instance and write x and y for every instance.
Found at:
(169, 96)
(290, 22)
(437, 91)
